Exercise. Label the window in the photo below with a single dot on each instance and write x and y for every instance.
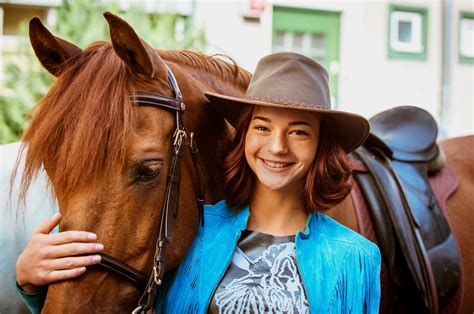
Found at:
(466, 37)
(407, 33)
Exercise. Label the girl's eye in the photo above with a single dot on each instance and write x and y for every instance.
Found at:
(261, 128)
(299, 132)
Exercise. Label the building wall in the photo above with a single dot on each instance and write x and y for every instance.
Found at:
(460, 116)
(228, 33)
(369, 81)
(13, 22)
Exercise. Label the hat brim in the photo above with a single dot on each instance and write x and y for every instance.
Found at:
(351, 130)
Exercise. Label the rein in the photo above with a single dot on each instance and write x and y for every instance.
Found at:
(171, 201)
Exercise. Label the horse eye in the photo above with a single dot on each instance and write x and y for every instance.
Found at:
(149, 170)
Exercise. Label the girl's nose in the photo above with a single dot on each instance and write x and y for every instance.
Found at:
(278, 144)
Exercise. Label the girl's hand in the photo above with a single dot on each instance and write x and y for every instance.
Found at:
(50, 257)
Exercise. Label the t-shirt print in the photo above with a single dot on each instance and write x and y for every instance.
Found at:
(262, 278)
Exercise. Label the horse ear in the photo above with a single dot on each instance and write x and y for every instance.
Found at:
(135, 52)
(52, 51)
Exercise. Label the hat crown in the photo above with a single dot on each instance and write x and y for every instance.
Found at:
(290, 78)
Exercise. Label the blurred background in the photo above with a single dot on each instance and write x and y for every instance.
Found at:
(379, 53)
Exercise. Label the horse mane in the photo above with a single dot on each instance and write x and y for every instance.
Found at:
(227, 71)
(80, 127)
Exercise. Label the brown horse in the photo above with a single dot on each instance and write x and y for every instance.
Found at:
(108, 160)
(459, 157)
(114, 157)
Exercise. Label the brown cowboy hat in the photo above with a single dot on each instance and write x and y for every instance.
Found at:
(290, 80)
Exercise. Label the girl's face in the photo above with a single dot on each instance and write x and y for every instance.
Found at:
(280, 146)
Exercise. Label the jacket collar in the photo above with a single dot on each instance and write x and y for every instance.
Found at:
(240, 219)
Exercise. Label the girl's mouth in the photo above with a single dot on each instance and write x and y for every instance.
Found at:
(276, 164)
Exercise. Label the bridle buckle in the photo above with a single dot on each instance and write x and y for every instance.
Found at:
(178, 136)
(192, 143)
(156, 275)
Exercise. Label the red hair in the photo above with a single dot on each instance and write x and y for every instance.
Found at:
(327, 183)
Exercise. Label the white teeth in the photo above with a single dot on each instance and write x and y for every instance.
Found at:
(275, 164)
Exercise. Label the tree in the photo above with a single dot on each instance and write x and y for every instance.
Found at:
(80, 22)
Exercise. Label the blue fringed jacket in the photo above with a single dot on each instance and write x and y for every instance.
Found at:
(340, 269)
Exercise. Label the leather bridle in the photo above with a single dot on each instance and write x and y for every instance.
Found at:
(171, 200)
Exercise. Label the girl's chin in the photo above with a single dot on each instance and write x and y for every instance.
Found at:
(275, 186)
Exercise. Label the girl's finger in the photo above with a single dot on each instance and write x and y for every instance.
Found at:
(65, 237)
(60, 275)
(48, 225)
(73, 262)
(70, 249)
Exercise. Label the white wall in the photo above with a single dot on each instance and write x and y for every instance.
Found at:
(460, 117)
(370, 82)
(228, 33)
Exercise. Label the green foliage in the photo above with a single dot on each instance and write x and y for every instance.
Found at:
(82, 23)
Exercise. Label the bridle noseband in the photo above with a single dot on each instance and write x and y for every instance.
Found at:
(171, 201)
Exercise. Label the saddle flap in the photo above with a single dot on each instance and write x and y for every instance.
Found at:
(416, 220)
(410, 132)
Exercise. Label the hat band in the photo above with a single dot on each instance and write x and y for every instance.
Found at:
(281, 101)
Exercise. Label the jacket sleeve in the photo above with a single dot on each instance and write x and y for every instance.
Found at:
(34, 301)
(373, 286)
(357, 289)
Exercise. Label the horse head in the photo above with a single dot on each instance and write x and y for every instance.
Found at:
(108, 159)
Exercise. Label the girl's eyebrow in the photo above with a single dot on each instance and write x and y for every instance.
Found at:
(298, 123)
(261, 118)
(292, 123)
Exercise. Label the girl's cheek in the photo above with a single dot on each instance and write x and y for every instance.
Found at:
(254, 141)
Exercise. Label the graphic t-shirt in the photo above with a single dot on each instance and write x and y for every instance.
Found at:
(262, 278)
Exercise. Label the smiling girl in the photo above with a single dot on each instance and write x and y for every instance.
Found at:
(268, 248)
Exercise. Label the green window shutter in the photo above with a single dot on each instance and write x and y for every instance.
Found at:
(466, 38)
(407, 32)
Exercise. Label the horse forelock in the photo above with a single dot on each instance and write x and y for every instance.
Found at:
(79, 129)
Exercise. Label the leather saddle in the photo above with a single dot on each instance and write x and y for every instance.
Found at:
(414, 235)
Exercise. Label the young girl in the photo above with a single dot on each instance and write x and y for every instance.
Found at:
(268, 248)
